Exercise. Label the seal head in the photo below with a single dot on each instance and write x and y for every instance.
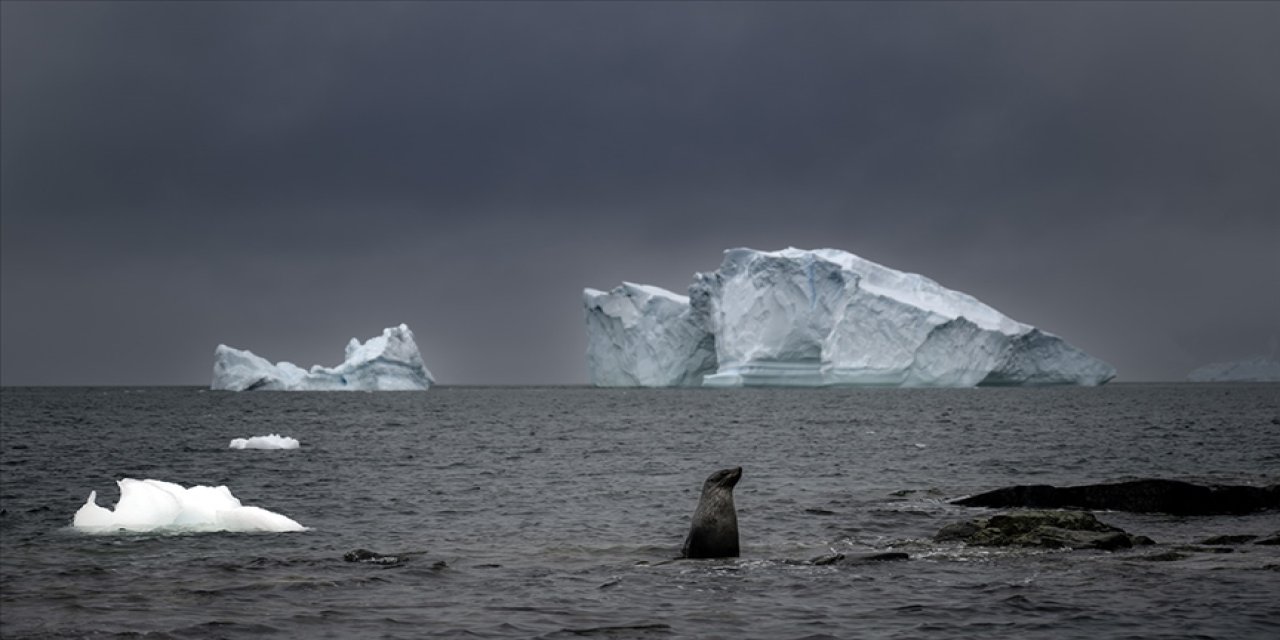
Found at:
(714, 532)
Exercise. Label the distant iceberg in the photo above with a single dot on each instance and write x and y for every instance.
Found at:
(149, 505)
(271, 441)
(1256, 369)
(818, 318)
(389, 362)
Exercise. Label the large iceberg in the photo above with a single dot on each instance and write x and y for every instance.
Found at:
(389, 362)
(818, 318)
(1257, 369)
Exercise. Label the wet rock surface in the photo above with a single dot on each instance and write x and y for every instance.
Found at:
(1229, 540)
(1046, 529)
(1174, 497)
(859, 558)
(373, 557)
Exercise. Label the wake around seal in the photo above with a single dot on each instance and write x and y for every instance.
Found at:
(714, 532)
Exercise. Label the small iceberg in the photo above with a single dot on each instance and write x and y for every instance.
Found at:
(271, 441)
(149, 505)
(389, 362)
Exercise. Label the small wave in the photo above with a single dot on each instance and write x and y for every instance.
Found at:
(639, 630)
(224, 628)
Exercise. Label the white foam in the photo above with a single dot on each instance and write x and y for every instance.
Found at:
(271, 441)
(149, 505)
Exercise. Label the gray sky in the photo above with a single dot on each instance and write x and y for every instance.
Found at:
(284, 176)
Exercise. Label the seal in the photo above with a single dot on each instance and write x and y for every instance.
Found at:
(714, 533)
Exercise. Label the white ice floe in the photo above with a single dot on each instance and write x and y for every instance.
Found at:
(150, 505)
(271, 441)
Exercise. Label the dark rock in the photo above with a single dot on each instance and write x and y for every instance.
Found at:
(1143, 496)
(1112, 541)
(1273, 540)
(905, 493)
(1228, 540)
(861, 558)
(886, 556)
(959, 531)
(371, 557)
(1048, 529)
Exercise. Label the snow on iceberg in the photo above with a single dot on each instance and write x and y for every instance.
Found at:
(149, 505)
(644, 336)
(1256, 369)
(271, 441)
(827, 317)
(389, 362)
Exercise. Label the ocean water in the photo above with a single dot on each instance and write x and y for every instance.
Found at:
(551, 513)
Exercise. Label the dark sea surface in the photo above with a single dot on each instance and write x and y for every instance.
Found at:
(549, 513)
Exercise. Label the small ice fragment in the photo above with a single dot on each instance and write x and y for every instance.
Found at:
(272, 441)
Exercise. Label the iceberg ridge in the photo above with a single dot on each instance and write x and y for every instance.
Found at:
(645, 336)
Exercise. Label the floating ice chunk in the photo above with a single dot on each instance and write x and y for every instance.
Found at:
(149, 505)
(389, 362)
(271, 441)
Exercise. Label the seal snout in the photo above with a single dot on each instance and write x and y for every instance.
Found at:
(725, 478)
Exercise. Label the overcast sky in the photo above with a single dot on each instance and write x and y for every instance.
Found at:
(284, 176)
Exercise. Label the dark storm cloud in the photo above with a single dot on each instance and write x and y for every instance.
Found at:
(282, 176)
